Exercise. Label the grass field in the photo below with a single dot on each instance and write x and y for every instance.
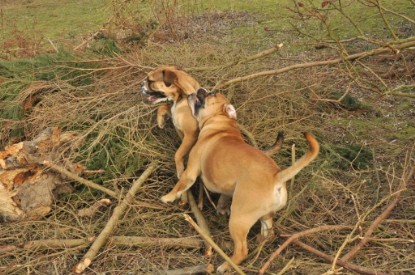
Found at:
(78, 65)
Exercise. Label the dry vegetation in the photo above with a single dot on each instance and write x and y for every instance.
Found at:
(353, 206)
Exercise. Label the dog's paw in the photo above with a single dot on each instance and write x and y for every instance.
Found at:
(225, 211)
(223, 268)
(168, 198)
(265, 238)
(161, 122)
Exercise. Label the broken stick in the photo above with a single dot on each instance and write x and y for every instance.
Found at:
(205, 268)
(77, 178)
(190, 242)
(201, 221)
(347, 265)
(118, 211)
(379, 219)
(296, 237)
(213, 244)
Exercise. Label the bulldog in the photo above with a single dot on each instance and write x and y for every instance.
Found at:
(170, 85)
(229, 166)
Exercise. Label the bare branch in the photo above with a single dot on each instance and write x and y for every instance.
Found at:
(297, 236)
(77, 178)
(330, 259)
(378, 220)
(213, 244)
(376, 51)
(118, 211)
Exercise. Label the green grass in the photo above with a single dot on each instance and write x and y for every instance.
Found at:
(17, 75)
(38, 21)
(54, 19)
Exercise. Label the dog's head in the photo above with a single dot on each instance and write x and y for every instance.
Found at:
(206, 104)
(168, 83)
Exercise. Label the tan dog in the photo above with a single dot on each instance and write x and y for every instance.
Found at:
(172, 85)
(231, 167)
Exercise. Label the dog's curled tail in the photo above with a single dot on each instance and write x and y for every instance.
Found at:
(288, 173)
(276, 147)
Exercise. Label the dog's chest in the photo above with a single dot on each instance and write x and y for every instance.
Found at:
(175, 116)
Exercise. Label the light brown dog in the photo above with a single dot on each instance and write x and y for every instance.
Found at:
(171, 85)
(231, 167)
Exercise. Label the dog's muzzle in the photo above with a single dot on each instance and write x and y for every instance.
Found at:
(144, 89)
(152, 96)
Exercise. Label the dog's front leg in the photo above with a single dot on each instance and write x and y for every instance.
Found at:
(186, 145)
(186, 181)
(162, 112)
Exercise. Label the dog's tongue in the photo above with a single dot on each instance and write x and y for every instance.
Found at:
(151, 98)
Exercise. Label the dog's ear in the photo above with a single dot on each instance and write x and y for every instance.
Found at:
(169, 77)
(230, 111)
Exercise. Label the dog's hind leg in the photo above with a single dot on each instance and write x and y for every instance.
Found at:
(267, 231)
(239, 225)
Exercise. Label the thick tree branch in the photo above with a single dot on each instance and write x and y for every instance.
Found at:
(398, 46)
(118, 211)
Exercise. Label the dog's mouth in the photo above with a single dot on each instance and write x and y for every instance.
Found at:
(152, 96)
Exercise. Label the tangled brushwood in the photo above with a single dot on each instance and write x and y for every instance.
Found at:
(82, 124)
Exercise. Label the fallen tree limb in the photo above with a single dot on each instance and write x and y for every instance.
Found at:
(77, 178)
(118, 211)
(201, 221)
(376, 51)
(56, 243)
(330, 259)
(131, 241)
(378, 220)
(296, 236)
(213, 244)
(205, 269)
(190, 242)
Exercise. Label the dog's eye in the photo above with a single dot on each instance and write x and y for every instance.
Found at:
(149, 82)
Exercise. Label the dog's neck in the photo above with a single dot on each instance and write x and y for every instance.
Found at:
(210, 123)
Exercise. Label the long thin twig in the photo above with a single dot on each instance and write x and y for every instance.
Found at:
(118, 211)
(330, 259)
(213, 244)
(297, 236)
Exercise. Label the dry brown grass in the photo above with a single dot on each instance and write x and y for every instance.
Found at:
(122, 137)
